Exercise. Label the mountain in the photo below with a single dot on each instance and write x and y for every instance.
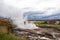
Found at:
(41, 16)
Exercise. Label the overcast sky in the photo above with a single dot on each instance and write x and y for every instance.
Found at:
(16, 8)
(49, 7)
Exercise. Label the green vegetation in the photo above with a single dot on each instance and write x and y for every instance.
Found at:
(39, 24)
(5, 31)
(52, 25)
(5, 25)
(11, 37)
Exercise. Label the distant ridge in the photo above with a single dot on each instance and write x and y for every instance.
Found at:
(33, 16)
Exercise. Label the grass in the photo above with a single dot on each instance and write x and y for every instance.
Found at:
(43, 24)
(4, 25)
(46, 25)
(11, 37)
(5, 36)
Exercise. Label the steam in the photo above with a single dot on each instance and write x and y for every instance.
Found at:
(16, 14)
(15, 9)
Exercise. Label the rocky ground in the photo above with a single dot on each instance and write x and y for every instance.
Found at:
(39, 34)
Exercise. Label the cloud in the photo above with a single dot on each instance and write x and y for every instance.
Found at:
(16, 8)
(49, 7)
(35, 4)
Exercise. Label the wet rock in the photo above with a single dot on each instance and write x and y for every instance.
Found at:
(39, 34)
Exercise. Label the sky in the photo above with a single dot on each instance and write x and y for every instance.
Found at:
(15, 9)
(49, 7)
